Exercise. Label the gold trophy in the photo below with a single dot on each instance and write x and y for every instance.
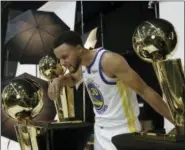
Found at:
(154, 42)
(49, 67)
(22, 100)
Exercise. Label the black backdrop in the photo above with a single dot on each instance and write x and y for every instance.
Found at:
(119, 25)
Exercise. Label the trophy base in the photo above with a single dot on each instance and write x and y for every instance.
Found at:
(68, 120)
(48, 124)
(60, 136)
(161, 137)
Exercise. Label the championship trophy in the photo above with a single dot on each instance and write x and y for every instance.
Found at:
(154, 42)
(22, 100)
(49, 67)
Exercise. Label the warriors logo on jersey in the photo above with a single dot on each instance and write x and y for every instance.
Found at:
(96, 97)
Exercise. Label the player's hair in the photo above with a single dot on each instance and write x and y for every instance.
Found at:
(68, 37)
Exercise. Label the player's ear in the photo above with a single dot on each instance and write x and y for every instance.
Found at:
(79, 47)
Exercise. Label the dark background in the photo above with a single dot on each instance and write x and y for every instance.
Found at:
(117, 22)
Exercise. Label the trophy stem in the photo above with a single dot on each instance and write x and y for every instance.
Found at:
(26, 136)
(172, 82)
(59, 110)
(70, 100)
(59, 106)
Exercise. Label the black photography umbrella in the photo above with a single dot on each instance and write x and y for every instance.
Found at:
(47, 114)
(31, 34)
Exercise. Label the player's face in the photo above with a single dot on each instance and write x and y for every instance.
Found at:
(69, 57)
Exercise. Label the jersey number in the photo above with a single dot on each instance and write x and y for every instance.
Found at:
(94, 91)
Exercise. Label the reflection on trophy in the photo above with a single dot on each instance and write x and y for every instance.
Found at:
(155, 41)
(50, 68)
(22, 100)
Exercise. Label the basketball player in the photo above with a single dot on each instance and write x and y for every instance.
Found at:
(111, 84)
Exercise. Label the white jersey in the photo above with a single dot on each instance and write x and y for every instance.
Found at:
(114, 103)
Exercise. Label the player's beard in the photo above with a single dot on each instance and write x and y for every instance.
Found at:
(74, 68)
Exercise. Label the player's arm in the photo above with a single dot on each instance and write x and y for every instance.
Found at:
(116, 66)
(66, 80)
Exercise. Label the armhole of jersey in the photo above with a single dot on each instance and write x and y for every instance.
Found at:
(103, 76)
(92, 63)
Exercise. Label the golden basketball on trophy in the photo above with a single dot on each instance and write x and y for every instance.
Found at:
(154, 41)
(22, 99)
(49, 67)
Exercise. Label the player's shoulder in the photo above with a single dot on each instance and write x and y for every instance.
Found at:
(111, 58)
(111, 62)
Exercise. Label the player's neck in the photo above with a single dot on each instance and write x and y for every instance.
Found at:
(88, 57)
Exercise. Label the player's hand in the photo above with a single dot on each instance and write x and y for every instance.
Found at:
(54, 88)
